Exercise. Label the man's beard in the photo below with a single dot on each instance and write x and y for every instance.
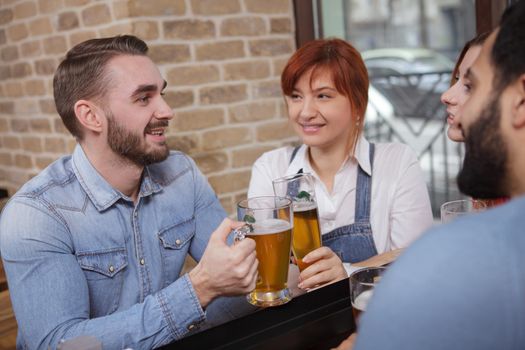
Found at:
(484, 172)
(129, 145)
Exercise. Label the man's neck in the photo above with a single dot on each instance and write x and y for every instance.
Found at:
(120, 173)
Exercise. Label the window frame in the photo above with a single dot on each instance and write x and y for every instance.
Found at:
(488, 13)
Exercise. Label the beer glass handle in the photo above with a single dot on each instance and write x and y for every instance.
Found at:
(240, 233)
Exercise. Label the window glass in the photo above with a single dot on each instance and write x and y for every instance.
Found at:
(409, 48)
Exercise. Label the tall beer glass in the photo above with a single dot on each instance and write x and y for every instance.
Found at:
(306, 231)
(269, 222)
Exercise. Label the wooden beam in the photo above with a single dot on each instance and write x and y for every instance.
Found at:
(488, 13)
(304, 21)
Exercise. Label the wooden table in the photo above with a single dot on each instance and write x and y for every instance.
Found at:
(3, 279)
(381, 259)
(8, 326)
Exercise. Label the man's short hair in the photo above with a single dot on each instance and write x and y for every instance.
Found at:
(508, 52)
(81, 75)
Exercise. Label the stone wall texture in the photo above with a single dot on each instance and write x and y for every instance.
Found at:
(222, 60)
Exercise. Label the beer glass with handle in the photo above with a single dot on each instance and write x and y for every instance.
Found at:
(269, 222)
(306, 235)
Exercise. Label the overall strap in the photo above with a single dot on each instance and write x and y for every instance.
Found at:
(363, 195)
(294, 153)
(292, 189)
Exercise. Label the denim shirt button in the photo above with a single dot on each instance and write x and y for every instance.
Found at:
(177, 242)
(142, 262)
(191, 327)
(111, 268)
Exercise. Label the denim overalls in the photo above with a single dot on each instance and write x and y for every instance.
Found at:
(354, 242)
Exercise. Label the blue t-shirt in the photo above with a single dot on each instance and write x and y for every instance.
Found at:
(461, 286)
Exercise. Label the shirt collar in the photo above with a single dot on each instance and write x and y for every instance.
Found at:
(299, 162)
(361, 154)
(99, 191)
(149, 184)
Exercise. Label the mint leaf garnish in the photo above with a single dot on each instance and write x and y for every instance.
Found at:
(248, 218)
(303, 195)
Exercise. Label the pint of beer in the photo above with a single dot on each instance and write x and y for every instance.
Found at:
(269, 222)
(307, 236)
(272, 243)
(306, 232)
(362, 284)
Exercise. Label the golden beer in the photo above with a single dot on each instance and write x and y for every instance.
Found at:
(273, 238)
(306, 232)
(269, 223)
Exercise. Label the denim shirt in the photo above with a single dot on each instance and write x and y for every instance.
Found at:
(82, 259)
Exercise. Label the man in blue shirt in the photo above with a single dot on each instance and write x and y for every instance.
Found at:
(462, 285)
(95, 243)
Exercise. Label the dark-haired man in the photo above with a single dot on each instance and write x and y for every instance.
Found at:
(95, 243)
(462, 285)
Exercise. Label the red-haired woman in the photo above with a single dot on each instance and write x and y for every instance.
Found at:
(371, 198)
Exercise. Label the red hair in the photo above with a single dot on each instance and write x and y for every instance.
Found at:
(347, 69)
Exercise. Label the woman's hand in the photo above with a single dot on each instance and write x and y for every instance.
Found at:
(326, 267)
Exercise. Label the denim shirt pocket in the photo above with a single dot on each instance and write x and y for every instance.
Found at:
(104, 271)
(175, 242)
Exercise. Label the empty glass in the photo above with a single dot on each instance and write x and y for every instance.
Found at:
(461, 207)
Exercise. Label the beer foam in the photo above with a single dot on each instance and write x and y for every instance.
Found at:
(303, 206)
(362, 300)
(270, 226)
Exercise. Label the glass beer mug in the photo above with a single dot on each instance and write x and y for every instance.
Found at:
(306, 231)
(269, 222)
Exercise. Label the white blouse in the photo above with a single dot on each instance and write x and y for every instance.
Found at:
(400, 207)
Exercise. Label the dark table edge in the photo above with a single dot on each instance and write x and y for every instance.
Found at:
(254, 330)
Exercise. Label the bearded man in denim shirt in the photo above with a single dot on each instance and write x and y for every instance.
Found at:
(461, 286)
(94, 244)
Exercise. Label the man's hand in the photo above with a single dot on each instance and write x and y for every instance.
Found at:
(225, 270)
(326, 267)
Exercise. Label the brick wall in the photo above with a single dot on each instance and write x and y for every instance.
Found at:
(222, 60)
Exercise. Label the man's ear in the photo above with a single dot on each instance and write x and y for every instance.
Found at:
(89, 115)
(518, 107)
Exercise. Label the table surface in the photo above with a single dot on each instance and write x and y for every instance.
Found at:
(320, 319)
(3, 279)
